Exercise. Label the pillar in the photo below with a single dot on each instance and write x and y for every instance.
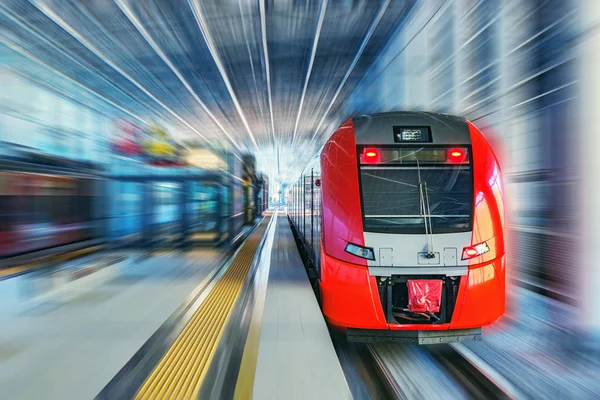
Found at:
(588, 188)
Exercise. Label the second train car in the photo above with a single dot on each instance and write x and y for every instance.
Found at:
(401, 221)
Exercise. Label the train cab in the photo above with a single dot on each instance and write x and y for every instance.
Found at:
(412, 223)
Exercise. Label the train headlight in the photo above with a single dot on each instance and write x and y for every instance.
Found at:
(475, 251)
(359, 251)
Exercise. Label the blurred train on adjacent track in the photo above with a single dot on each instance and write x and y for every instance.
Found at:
(400, 219)
(46, 204)
(54, 206)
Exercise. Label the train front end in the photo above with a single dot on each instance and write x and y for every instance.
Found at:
(412, 246)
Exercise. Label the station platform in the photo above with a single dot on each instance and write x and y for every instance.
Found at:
(177, 324)
(255, 332)
(70, 343)
(289, 353)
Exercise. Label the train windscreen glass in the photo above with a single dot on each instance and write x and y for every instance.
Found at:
(398, 184)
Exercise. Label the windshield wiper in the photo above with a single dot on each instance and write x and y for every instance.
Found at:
(425, 212)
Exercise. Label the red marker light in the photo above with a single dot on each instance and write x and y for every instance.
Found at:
(474, 251)
(370, 156)
(457, 155)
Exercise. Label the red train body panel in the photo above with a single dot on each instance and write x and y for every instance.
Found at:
(342, 221)
(404, 198)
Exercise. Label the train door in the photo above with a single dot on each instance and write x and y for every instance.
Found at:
(308, 210)
(203, 212)
(126, 205)
(316, 200)
(166, 225)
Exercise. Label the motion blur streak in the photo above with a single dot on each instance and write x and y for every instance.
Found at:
(310, 66)
(214, 52)
(52, 15)
(127, 11)
(161, 123)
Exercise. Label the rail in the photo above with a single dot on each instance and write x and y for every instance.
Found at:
(48, 258)
(475, 377)
(478, 379)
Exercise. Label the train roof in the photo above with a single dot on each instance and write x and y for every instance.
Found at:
(418, 115)
(377, 128)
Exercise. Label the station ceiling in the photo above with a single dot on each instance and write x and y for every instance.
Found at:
(261, 76)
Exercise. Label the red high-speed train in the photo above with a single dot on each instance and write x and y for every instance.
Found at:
(400, 219)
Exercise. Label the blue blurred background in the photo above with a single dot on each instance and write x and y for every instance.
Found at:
(160, 122)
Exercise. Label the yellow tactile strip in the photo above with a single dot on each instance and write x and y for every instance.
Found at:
(180, 372)
(247, 372)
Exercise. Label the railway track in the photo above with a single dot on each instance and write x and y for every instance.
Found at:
(477, 379)
(420, 372)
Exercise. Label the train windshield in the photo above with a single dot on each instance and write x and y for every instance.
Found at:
(404, 182)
